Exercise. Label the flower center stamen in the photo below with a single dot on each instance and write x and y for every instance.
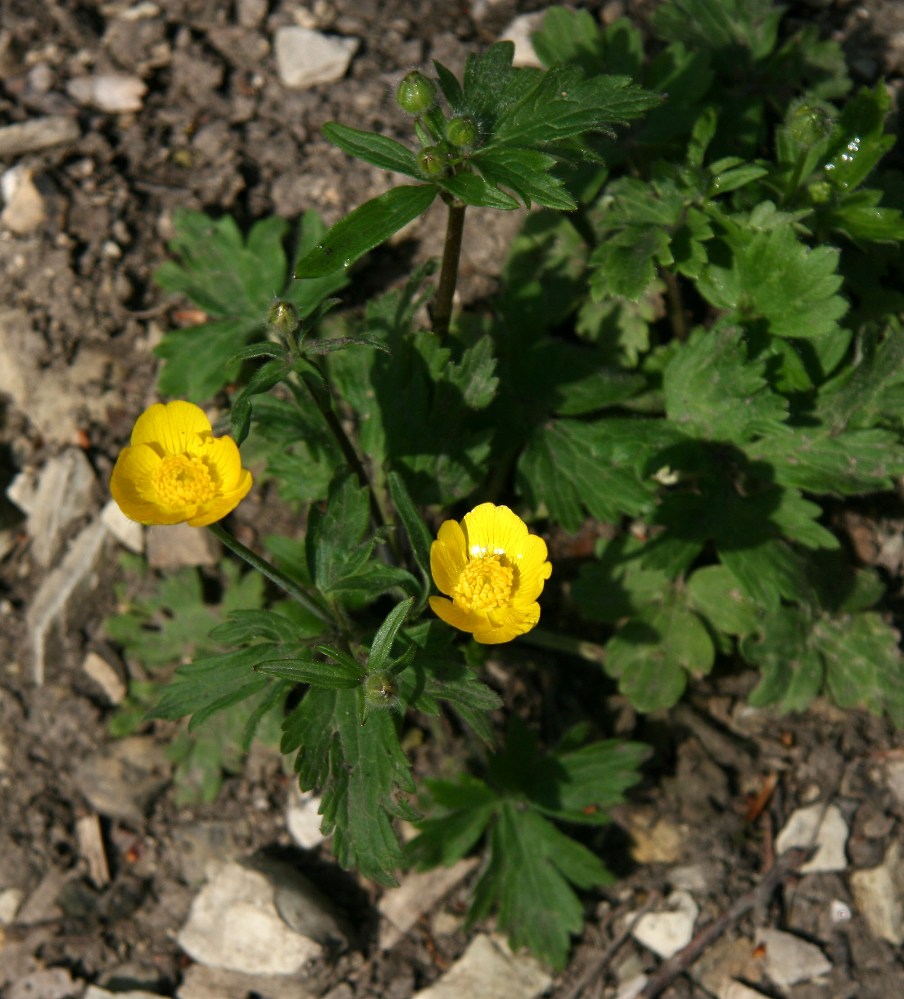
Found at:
(183, 480)
(484, 583)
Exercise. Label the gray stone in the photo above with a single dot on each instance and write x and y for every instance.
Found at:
(25, 211)
(105, 676)
(489, 970)
(122, 780)
(93, 992)
(10, 900)
(820, 826)
(303, 818)
(174, 546)
(879, 895)
(234, 924)
(47, 983)
(58, 592)
(116, 93)
(402, 907)
(790, 960)
(200, 982)
(305, 58)
(668, 931)
(60, 494)
(519, 32)
(128, 533)
(38, 133)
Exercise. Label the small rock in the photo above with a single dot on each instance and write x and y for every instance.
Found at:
(305, 58)
(200, 982)
(693, 877)
(24, 211)
(251, 13)
(62, 493)
(46, 983)
(519, 32)
(234, 924)
(655, 840)
(36, 134)
(94, 992)
(302, 905)
(202, 848)
(667, 932)
(10, 900)
(127, 532)
(879, 895)
(402, 907)
(51, 603)
(894, 779)
(103, 674)
(790, 959)
(122, 780)
(821, 826)
(303, 818)
(735, 990)
(726, 960)
(116, 93)
(174, 546)
(489, 970)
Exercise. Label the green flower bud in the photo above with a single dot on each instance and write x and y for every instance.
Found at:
(432, 161)
(381, 690)
(416, 93)
(462, 132)
(809, 123)
(282, 319)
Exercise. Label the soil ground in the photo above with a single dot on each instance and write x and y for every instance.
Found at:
(79, 315)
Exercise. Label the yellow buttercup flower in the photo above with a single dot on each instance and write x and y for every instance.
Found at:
(176, 471)
(493, 569)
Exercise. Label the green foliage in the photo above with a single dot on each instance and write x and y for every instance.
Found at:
(694, 355)
(234, 279)
(532, 868)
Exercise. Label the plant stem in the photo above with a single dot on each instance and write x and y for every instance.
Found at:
(542, 639)
(448, 278)
(290, 586)
(377, 509)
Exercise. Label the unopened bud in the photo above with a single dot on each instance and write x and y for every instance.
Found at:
(462, 132)
(282, 319)
(432, 161)
(381, 690)
(809, 123)
(416, 93)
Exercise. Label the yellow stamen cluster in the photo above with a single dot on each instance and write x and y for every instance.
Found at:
(484, 583)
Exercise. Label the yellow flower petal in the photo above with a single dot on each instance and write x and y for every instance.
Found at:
(448, 556)
(533, 569)
(174, 427)
(493, 568)
(175, 471)
(506, 624)
(491, 529)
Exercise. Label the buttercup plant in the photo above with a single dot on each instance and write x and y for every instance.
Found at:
(695, 343)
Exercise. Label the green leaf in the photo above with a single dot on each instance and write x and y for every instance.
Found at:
(336, 545)
(529, 875)
(327, 675)
(714, 593)
(461, 813)
(381, 647)
(364, 228)
(470, 189)
(526, 172)
(772, 276)
(863, 663)
(416, 530)
(379, 150)
(361, 771)
(859, 141)
(234, 280)
(844, 464)
(653, 653)
(570, 466)
(712, 390)
(619, 585)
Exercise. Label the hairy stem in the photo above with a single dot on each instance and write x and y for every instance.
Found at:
(448, 277)
(552, 640)
(265, 568)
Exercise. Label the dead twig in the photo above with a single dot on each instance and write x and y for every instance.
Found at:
(786, 865)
